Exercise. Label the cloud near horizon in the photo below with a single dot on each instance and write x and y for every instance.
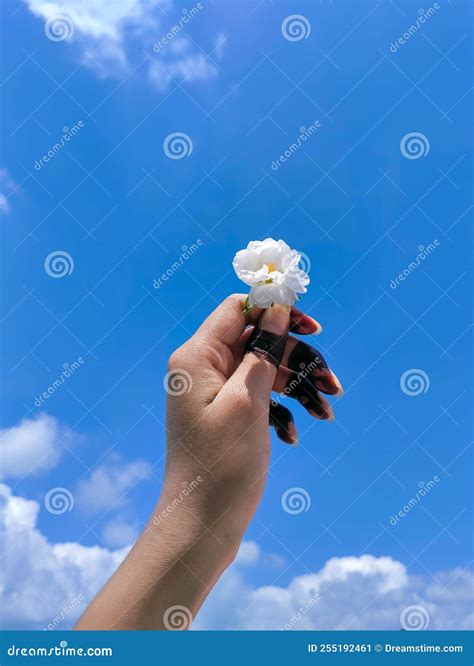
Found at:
(366, 592)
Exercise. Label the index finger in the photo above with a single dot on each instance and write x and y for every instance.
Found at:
(228, 321)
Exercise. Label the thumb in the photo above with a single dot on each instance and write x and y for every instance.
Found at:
(264, 349)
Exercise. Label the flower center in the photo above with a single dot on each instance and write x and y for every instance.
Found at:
(271, 267)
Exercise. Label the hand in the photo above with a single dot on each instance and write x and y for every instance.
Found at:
(218, 452)
(218, 426)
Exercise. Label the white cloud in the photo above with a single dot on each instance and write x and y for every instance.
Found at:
(188, 67)
(57, 580)
(363, 592)
(366, 592)
(7, 187)
(119, 532)
(114, 37)
(34, 445)
(107, 486)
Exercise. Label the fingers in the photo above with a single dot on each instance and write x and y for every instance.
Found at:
(303, 324)
(256, 373)
(228, 321)
(281, 419)
(296, 385)
(309, 362)
(268, 338)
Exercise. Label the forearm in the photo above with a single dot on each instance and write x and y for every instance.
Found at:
(176, 561)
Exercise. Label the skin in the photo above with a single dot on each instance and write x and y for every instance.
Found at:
(218, 454)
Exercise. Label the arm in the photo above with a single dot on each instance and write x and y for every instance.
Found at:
(218, 453)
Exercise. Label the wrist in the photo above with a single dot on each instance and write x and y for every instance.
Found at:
(195, 533)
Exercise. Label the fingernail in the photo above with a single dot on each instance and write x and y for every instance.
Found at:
(275, 319)
(317, 325)
(293, 435)
(326, 381)
(338, 384)
(287, 433)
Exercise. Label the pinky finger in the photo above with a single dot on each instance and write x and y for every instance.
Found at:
(282, 420)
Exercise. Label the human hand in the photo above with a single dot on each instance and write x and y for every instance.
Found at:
(218, 452)
(218, 427)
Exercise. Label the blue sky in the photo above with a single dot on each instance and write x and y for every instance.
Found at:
(347, 197)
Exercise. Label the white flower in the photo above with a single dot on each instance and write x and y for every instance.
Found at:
(270, 267)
